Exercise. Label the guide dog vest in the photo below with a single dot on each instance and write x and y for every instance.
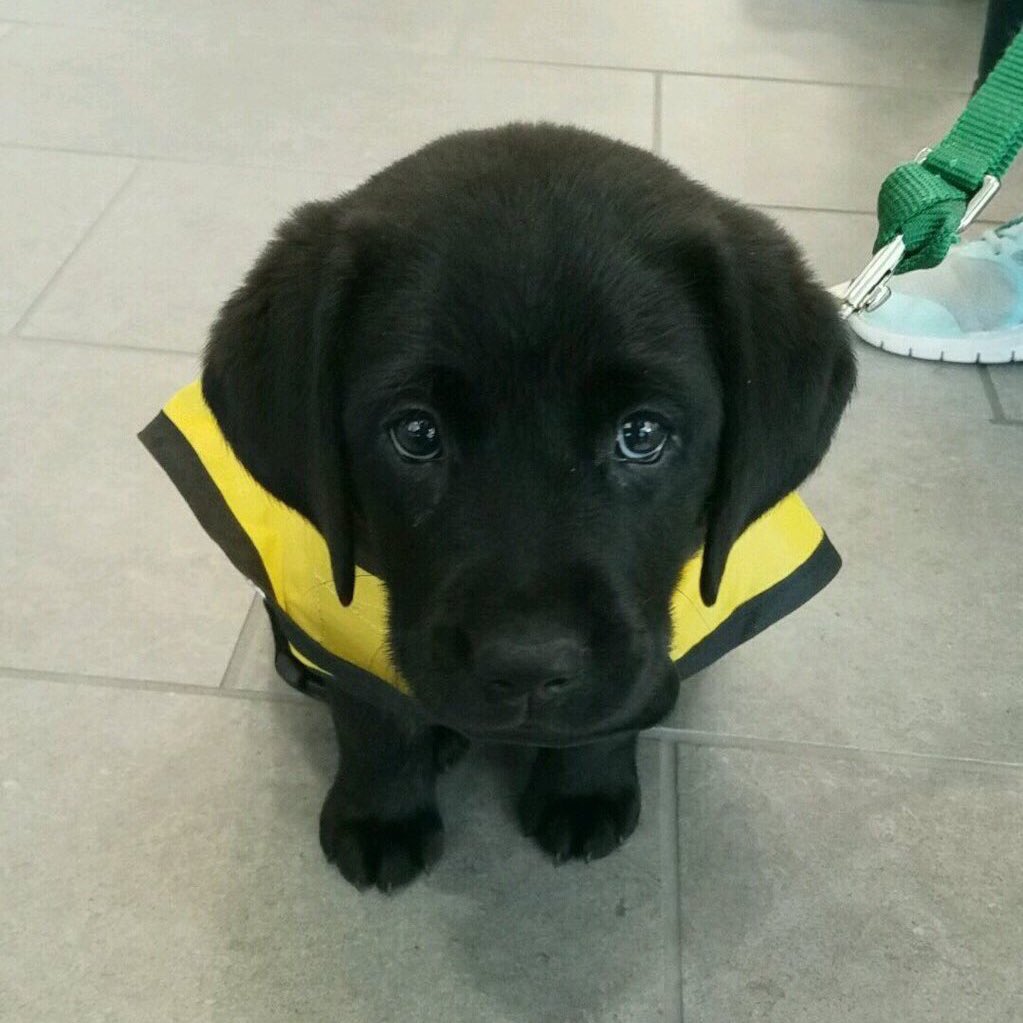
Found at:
(777, 564)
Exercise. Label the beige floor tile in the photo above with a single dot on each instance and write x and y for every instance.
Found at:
(179, 877)
(104, 569)
(891, 387)
(338, 107)
(390, 24)
(1008, 381)
(871, 43)
(171, 250)
(810, 146)
(916, 645)
(51, 201)
(822, 891)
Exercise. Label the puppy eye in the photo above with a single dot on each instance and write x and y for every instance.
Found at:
(641, 437)
(415, 436)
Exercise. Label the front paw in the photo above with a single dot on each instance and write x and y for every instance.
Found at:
(579, 826)
(383, 853)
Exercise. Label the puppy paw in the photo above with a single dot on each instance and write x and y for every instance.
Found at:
(385, 854)
(583, 827)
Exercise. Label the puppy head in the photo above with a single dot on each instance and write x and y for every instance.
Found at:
(523, 375)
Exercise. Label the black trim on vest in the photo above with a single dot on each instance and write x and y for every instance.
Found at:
(169, 446)
(354, 681)
(764, 609)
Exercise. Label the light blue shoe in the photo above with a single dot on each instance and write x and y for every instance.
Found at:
(968, 309)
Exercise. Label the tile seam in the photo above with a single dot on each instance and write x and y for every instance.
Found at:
(830, 751)
(993, 398)
(658, 112)
(350, 181)
(147, 685)
(671, 873)
(676, 73)
(110, 346)
(676, 736)
(241, 641)
(111, 203)
(344, 182)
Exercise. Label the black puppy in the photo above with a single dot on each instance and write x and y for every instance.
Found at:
(523, 375)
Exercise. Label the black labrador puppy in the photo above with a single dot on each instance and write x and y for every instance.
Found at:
(523, 373)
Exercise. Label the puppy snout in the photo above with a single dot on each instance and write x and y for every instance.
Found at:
(513, 666)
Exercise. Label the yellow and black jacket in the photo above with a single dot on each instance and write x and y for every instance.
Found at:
(777, 564)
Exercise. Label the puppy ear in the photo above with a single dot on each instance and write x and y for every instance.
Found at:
(272, 366)
(787, 370)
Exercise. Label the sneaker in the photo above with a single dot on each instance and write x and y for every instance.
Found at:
(967, 309)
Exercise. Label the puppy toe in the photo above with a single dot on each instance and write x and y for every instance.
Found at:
(582, 827)
(383, 854)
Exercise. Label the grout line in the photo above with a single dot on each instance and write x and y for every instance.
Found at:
(350, 181)
(992, 396)
(671, 903)
(662, 734)
(675, 73)
(105, 345)
(88, 233)
(149, 685)
(228, 678)
(825, 750)
(343, 184)
(658, 109)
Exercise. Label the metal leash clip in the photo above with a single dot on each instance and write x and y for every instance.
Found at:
(868, 290)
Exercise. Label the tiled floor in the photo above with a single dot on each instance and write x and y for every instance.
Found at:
(833, 814)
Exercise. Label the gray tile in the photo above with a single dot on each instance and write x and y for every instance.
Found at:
(836, 245)
(852, 41)
(916, 645)
(180, 877)
(176, 243)
(891, 386)
(824, 891)
(51, 200)
(394, 24)
(5, 29)
(103, 571)
(1008, 381)
(252, 665)
(811, 146)
(338, 108)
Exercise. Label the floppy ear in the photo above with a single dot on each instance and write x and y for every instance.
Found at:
(272, 368)
(787, 370)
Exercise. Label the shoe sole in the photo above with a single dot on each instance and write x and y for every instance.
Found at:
(988, 348)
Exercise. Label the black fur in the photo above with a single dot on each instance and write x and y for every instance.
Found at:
(529, 287)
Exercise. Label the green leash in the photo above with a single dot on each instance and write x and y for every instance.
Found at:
(923, 206)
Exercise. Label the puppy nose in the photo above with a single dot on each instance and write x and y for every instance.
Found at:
(514, 666)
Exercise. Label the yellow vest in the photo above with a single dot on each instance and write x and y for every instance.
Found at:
(778, 563)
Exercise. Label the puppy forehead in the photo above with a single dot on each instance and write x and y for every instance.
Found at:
(512, 336)
(567, 375)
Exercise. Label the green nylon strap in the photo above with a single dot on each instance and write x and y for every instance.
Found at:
(924, 202)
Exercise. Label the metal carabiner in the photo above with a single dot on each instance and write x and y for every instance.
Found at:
(868, 290)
